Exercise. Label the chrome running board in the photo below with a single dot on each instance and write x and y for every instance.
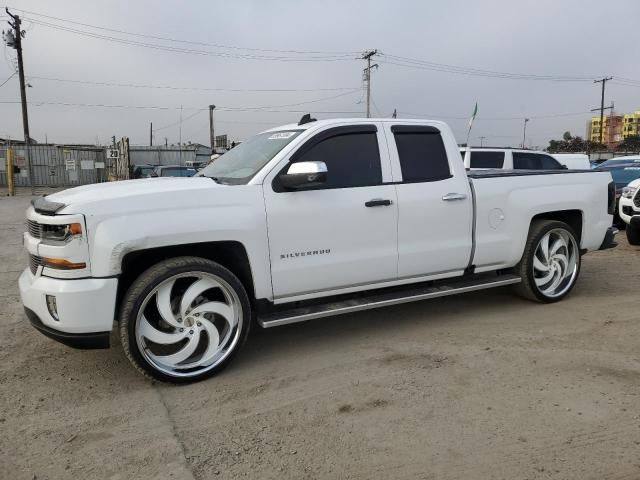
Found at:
(385, 299)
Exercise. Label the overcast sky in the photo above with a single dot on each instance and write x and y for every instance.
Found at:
(579, 39)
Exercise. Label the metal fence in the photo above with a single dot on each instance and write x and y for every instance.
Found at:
(161, 155)
(55, 165)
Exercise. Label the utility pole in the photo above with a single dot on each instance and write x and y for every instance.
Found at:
(524, 131)
(604, 82)
(17, 44)
(367, 76)
(212, 137)
(601, 109)
(151, 134)
(482, 141)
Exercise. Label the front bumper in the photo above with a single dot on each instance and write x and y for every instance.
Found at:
(627, 211)
(85, 308)
(83, 341)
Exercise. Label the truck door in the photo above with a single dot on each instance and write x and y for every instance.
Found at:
(342, 234)
(435, 206)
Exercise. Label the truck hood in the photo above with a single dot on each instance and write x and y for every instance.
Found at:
(137, 195)
(634, 183)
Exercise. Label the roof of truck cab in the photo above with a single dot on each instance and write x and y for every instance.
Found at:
(338, 121)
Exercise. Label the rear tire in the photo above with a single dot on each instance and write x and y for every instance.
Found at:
(550, 263)
(633, 235)
(184, 319)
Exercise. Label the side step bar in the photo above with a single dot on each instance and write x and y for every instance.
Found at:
(378, 300)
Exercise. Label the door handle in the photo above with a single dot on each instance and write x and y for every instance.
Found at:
(377, 202)
(449, 197)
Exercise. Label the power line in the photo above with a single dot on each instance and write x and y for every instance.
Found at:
(155, 46)
(156, 107)
(446, 68)
(190, 42)
(159, 107)
(203, 89)
(519, 118)
(180, 121)
(8, 78)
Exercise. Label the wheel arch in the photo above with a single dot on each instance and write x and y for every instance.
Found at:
(574, 218)
(230, 254)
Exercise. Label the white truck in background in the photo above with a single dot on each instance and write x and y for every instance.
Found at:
(476, 158)
(573, 161)
(629, 211)
(299, 222)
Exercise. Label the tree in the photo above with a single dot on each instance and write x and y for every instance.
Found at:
(630, 144)
(570, 144)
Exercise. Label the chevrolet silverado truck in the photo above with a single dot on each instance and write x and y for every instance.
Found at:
(299, 222)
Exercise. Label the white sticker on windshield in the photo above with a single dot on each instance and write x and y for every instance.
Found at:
(281, 135)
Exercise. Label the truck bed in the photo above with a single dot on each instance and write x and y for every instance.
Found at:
(493, 173)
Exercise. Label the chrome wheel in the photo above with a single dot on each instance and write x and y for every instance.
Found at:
(188, 324)
(555, 263)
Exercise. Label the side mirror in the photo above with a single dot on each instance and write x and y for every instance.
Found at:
(304, 175)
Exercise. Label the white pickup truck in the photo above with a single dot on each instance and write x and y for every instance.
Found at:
(299, 222)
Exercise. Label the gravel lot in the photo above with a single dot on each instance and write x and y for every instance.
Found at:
(480, 386)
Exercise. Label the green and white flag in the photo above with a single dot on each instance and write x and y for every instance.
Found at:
(473, 116)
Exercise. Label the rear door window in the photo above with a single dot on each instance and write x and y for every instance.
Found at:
(526, 161)
(550, 163)
(487, 159)
(534, 161)
(423, 157)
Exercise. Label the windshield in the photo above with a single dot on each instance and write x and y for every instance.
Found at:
(177, 172)
(625, 175)
(618, 161)
(241, 163)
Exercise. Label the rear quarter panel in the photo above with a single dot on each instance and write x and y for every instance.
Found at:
(506, 205)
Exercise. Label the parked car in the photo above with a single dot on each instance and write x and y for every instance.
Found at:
(299, 222)
(629, 210)
(620, 161)
(622, 175)
(573, 161)
(508, 159)
(173, 171)
(142, 171)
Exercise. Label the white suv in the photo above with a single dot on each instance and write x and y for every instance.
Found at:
(629, 210)
(508, 159)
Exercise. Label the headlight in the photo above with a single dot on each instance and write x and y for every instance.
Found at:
(61, 233)
(628, 192)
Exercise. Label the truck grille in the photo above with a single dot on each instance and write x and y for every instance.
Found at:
(636, 199)
(34, 263)
(34, 228)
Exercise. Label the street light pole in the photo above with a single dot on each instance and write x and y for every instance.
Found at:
(524, 131)
(212, 138)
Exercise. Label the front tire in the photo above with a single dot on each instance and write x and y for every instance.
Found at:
(184, 319)
(633, 235)
(550, 264)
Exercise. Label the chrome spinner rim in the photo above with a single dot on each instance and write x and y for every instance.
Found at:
(555, 263)
(188, 324)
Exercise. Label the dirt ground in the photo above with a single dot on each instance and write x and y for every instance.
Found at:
(479, 386)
